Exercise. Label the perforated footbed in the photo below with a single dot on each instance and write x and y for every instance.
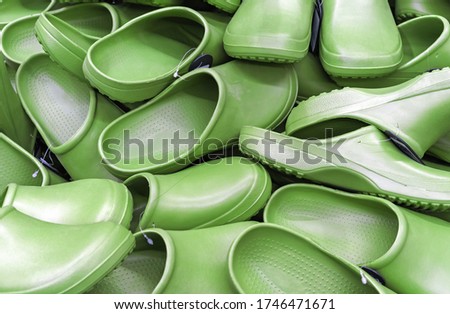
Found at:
(16, 167)
(19, 41)
(359, 231)
(185, 110)
(139, 274)
(147, 50)
(269, 260)
(57, 100)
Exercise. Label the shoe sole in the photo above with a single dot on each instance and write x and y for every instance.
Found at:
(58, 48)
(356, 176)
(124, 249)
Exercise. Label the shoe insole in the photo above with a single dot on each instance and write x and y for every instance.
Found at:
(17, 167)
(14, 9)
(19, 41)
(140, 273)
(268, 260)
(169, 127)
(148, 50)
(419, 36)
(357, 229)
(58, 101)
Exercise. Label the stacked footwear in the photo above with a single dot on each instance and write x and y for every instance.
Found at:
(170, 146)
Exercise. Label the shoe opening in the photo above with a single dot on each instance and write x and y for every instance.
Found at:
(360, 230)
(167, 129)
(91, 20)
(148, 49)
(269, 260)
(142, 271)
(420, 34)
(139, 187)
(329, 128)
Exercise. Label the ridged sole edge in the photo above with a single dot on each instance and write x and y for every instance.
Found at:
(111, 269)
(265, 59)
(409, 203)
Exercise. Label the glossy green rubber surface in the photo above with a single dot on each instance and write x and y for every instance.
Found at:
(67, 113)
(207, 107)
(210, 194)
(358, 228)
(370, 232)
(407, 110)
(364, 160)
(67, 34)
(229, 6)
(441, 149)
(14, 9)
(14, 122)
(103, 200)
(142, 58)
(373, 50)
(176, 262)
(407, 9)
(19, 166)
(270, 30)
(75, 257)
(426, 46)
(313, 80)
(268, 259)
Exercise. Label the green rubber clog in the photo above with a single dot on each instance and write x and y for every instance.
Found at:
(142, 58)
(312, 79)
(67, 113)
(229, 6)
(416, 111)
(426, 47)
(194, 198)
(176, 262)
(364, 160)
(359, 38)
(407, 9)
(41, 257)
(11, 10)
(269, 259)
(14, 122)
(200, 113)
(405, 248)
(102, 200)
(270, 30)
(67, 34)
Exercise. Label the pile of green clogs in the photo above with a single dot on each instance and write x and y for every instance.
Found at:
(220, 146)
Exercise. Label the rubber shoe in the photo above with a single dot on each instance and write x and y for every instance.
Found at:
(364, 161)
(176, 262)
(373, 233)
(194, 198)
(202, 112)
(41, 257)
